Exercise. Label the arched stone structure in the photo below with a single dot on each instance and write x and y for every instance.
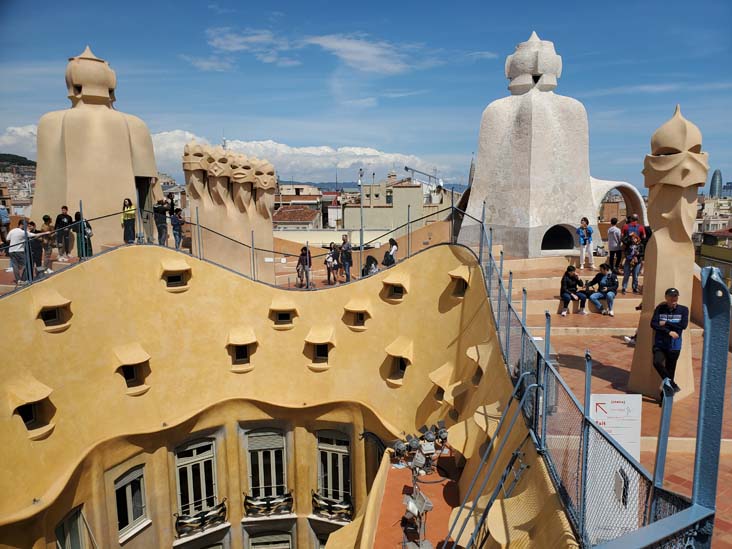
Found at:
(632, 197)
(558, 237)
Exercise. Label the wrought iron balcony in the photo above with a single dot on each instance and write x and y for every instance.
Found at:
(333, 509)
(262, 506)
(186, 525)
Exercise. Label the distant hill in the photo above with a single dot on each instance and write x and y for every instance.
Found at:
(332, 186)
(14, 159)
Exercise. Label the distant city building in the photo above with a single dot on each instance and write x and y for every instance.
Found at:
(296, 218)
(715, 187)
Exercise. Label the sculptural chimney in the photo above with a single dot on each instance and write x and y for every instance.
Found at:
(93, 153)
(674, 172)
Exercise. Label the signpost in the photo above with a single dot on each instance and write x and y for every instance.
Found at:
(620, 416)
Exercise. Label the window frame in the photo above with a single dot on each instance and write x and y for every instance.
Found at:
(262, 489)
(187, 463)
(334, 452)
(318, 354)
(236, 359)
(73, 520)
(252, 541)
(124, 482)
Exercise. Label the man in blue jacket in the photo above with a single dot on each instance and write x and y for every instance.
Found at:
(669, 320)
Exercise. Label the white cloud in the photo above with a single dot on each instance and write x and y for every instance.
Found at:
(358, 53)
(657, 88)
(364, 102)
(19, 140)
(219, 10)
(265, 46)
(210, 64)
(479, 55)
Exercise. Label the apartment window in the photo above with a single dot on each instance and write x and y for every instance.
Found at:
(267, 463)
(398, 367)
(175, 280)
(70, 533)
(196, 467)
(50, 316)
(55, 316)
(129, 491)
(28, 414)
(359, 319)
(461, 286)
(272, 540)
(334, 465)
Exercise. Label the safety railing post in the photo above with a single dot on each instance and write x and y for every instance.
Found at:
(523, 306)
(662, 443)
(508, 318)
(82, 231)
(28, 267)
(545, 377)
(198, 232)
(452, 216)
(585, 446)
(500, 296)
(409, 230)
(490, 257)
(252, 270)
(307, 265)
(140, 228)
(482, 235)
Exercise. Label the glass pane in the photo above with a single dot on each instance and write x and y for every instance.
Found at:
(280, 472)
(324, 480)
(267, 464)
(336, 480)
(183, 487)
(122, 518)
(197, 496)
(74, 529)
(254, 472)
(347, 474)
(209, 483)
(138, 505)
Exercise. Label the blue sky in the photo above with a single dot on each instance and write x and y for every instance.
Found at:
(316, 84)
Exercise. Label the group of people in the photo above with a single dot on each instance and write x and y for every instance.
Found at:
(626, 247)
(603, 287)
(162, 210)
(31, 249)
(338, 262)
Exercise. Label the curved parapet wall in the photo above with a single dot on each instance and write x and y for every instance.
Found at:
(146, 350)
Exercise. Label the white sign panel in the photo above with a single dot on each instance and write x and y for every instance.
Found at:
(620, 416)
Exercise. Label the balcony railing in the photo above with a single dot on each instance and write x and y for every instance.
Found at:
(264, 506)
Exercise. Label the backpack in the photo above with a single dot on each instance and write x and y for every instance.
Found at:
(388, 259)
(632, 229)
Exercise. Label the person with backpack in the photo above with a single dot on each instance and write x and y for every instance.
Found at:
(390, 256)
(633, 227)
(632, 265)
(584, 232)
(607, 286)
(570, 292)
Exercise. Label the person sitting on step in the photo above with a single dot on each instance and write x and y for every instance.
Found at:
(569, 291)
(607, 286)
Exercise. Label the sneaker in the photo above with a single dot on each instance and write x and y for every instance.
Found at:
(49, 270)
(563, 313)
(583, 312)
(635, 291)
(611, 313)
(622, 291)
(604, 311)
(629, 340)
(676, 388)
(9, 270)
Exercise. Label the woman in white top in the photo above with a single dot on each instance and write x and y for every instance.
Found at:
(390, 256)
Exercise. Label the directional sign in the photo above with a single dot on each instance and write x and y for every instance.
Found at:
(620, 416)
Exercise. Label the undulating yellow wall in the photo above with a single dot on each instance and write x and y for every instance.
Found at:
(120, 298)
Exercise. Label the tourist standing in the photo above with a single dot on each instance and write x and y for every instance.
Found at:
(170, 204)
(569, 291)
(633, 227)
(632, 264)
(346, 257)
(35, 245)
(83, 237)
(47, 241)
(669, 321)
(177, 221)
(615, 245)
(4, 225)
(63, 233)
(160, 214)
(128, 221)
(331, 263)
(304, 261)
(17, 241)
(584, 232)
(607, 286)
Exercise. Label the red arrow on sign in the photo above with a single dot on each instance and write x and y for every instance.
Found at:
(598, 406)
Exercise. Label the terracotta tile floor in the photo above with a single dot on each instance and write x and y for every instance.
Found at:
(610, 372)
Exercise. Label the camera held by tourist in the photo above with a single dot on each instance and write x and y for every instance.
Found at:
(570, 292)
